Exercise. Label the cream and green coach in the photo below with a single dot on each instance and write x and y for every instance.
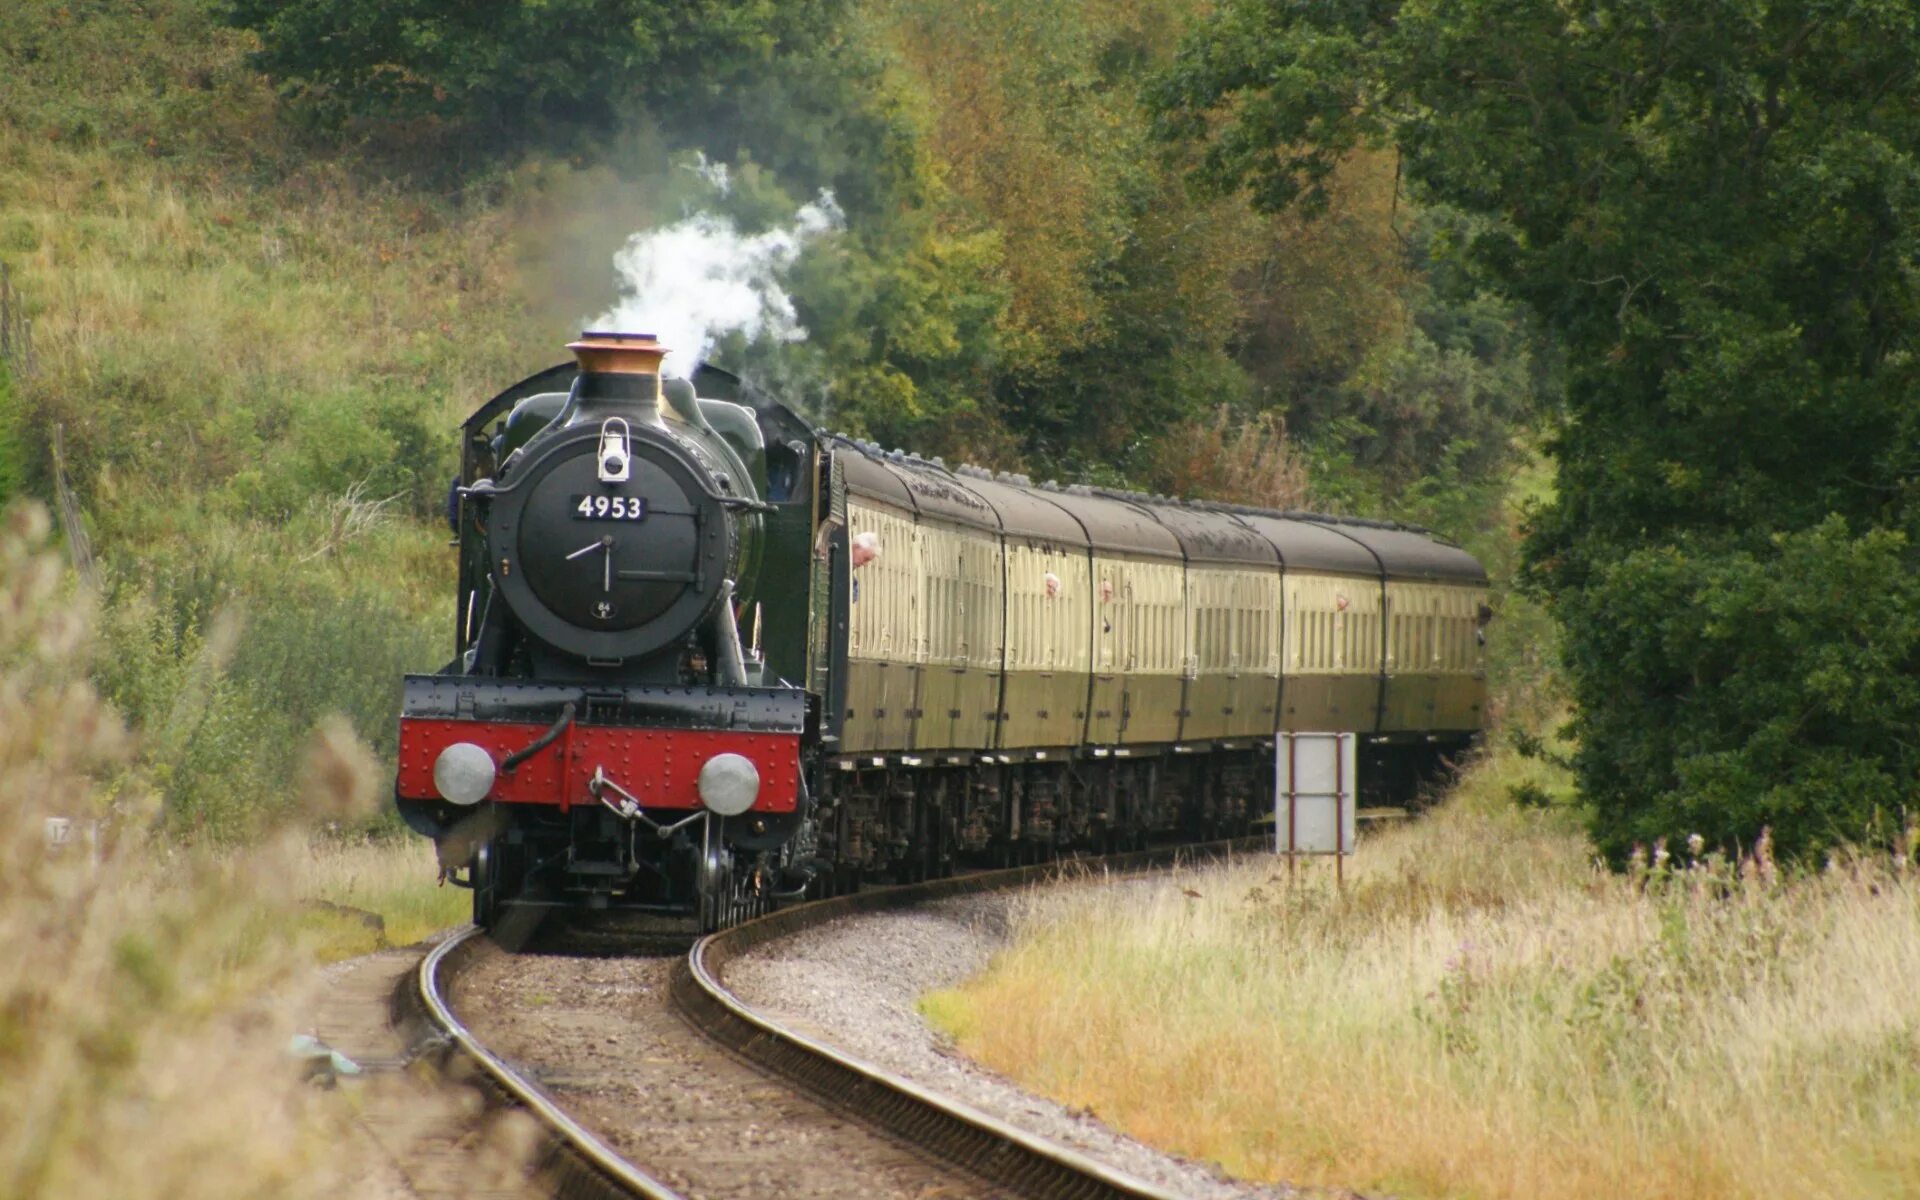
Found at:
(1081, 653)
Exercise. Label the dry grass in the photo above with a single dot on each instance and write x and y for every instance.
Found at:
(203, 293)
(1483, 1013)
(151, 987)
(343, 885)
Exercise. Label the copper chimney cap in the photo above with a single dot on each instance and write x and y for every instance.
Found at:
(618, 353)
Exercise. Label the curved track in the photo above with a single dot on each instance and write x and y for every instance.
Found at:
(944, 1147)
(575, 1162)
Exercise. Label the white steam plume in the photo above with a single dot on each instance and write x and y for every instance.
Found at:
(695, 280)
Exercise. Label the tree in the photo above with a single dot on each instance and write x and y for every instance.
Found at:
(1714, 207)
(525, 69)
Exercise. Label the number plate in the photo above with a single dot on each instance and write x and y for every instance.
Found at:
(609, 508)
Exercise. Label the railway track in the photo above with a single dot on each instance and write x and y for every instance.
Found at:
(872, 1129)
(572, 1160)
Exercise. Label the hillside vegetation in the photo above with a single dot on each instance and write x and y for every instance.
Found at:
(261, 303)
(253, 361)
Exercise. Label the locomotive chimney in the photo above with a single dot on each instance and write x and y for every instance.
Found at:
(619, 354)
(617, 371)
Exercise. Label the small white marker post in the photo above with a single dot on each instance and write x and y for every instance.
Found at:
(1314, 802)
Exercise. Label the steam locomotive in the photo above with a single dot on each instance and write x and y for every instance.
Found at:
(709, 659)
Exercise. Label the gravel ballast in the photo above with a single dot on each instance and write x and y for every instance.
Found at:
(854, 984)
(603, 1039)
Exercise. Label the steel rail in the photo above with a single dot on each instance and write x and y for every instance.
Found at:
(577, 1165)
(984, 1145)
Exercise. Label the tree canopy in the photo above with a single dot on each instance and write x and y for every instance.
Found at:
(520, 69)
(1714, 208)
(1024, 277)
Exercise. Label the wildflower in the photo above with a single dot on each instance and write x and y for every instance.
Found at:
(1695, 844)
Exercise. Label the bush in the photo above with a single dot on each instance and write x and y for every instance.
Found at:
(1712, 210)
(229, 651)
(1748, 691)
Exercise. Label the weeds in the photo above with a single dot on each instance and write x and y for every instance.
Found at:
(359, 894)
(349, 515)
(152, 985)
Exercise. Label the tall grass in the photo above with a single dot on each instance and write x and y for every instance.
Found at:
(362, 895)
(1482, 1012)
(258, 351)
(120, 1007)
(150, 985)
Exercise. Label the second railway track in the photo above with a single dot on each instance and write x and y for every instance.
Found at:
(655, 1080)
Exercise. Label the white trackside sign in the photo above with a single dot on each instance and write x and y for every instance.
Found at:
(1315, 793)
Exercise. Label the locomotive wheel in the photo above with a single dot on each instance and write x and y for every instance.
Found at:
(499, 875)
(727, 895)
(714, 883)
(822, 886)
(846, 879)
(745, 901)
(485, 874)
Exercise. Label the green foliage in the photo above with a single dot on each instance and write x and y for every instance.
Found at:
(257, 385)
(227, 689)
(158, 81)
(370, 442)
(522, 69)
(1715, 210)
(207, 746)
(1443, 400)
(902, 330)
(1774, 687)
(13, 459)
(1024, 278)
